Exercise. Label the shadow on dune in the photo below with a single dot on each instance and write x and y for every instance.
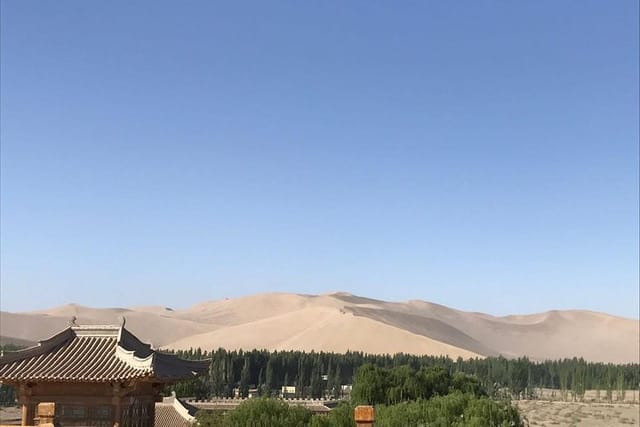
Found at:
(425, 326)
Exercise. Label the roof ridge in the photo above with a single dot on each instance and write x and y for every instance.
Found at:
(96, 330)
(182, 409)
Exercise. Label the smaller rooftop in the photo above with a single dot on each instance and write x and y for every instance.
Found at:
(172, 412)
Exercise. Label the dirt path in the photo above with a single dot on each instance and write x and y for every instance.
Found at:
(570, 414)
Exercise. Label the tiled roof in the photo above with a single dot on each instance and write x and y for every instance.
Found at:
(171, 412)
(95, 354)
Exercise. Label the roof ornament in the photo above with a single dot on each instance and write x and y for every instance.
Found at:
(73, 321)
(123, 321)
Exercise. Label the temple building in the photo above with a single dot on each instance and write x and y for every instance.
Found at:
(98, 376)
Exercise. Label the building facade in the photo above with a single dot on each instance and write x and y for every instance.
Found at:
(97, 376)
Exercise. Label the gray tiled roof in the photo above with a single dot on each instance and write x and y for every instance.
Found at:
(172, 412)
(95, 354)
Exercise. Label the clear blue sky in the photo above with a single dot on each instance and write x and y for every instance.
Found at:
(478, 154)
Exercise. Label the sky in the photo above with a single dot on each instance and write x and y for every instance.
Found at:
(477, 154)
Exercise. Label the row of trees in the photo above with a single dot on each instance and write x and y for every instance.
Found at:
(374, 385)
(321, 374)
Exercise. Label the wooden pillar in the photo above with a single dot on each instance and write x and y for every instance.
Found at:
(116, 401)
(25, 413)
(364, 415)
(117, 412)
(24, 397)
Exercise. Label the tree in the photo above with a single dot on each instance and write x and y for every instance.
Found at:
(317, 386)
(369, 385)
(621, 391)
(467, 384)
(218, 373)
(498, 375)
(434, 381)
(210, 418)
(335, 386)
(263, 412)
(340, 416)
(270, 376)
(244, 378)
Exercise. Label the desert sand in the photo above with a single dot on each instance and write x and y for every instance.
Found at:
(340, 322)
(577, 414)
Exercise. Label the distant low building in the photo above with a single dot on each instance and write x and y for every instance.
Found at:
(316, 406)
(99, 376)
(345, 390)
(288, 391)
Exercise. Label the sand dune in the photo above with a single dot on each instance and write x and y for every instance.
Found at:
(340, 322)
(322, 328)
(156, 329)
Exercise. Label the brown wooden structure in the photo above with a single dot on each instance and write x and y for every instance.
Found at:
(364, 415)
(97, 376)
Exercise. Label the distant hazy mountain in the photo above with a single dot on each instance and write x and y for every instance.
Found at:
(340, 322)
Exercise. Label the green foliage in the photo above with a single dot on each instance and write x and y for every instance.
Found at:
(467, 384)
(452, 410)
(341, 416)
(494, 374)
(210, 418)
(620, 388)
(374, 385)
(371, 385)
(244, 378)
(261, 412)
(196, 388)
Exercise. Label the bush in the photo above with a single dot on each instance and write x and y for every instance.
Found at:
(261, 412)
(453, 410)
(340, 416)
(374, 385)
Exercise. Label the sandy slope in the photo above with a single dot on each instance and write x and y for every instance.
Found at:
(322, 328)
(340, 322)
(156, 329)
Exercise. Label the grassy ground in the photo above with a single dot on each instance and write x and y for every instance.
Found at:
(569, 414)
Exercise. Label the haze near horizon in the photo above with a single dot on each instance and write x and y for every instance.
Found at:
(483, 156)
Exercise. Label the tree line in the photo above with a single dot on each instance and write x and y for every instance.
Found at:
(321, 374)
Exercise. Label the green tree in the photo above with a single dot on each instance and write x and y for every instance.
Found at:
(621, 390)
(210, 418)
(263, 412)
(455, 409)
(244, 378)
(370, 385)
(270, 383)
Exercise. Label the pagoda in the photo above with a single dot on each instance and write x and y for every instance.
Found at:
(94, 375)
